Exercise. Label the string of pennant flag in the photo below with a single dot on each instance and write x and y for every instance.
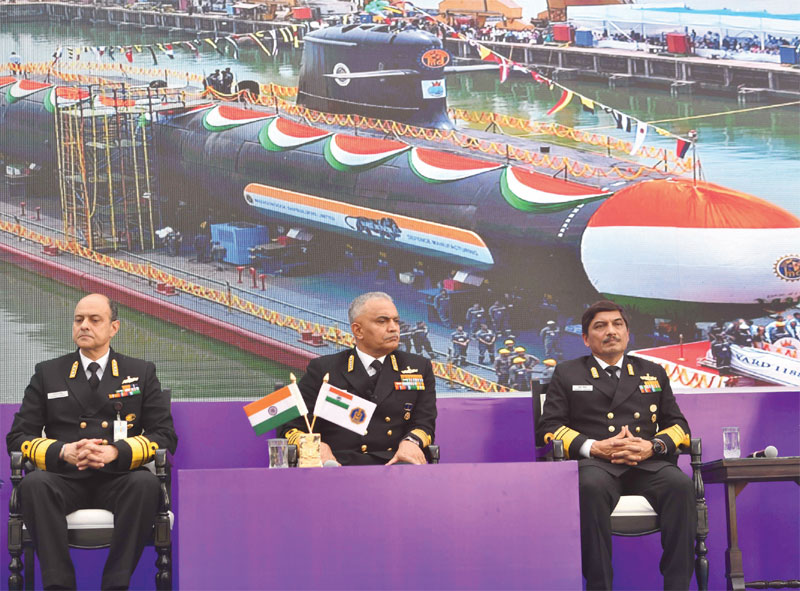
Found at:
(506, 65)
(267, 40)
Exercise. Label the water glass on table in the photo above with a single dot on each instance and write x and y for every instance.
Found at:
(730, 443)
(278, 453)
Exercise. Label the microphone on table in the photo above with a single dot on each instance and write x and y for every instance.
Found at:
(334, 463)
(768, 452)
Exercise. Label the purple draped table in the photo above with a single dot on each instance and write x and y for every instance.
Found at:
(456, 526)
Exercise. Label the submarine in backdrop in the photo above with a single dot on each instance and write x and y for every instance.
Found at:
(665, 246)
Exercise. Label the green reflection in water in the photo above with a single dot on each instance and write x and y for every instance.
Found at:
(35, 324)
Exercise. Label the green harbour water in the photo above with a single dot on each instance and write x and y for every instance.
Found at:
(757, 152)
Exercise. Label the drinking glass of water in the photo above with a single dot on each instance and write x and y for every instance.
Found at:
(730, 442)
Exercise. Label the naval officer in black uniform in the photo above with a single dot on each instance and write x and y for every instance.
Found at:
(401, 384)
(617, 416)
(103, 416)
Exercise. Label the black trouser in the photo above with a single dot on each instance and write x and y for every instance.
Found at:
(671, 494)
(47, 498)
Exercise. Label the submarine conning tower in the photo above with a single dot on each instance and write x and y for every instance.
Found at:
(376, 71)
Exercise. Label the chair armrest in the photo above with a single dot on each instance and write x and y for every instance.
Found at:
(551, 452)
(164, 474)
(16, 478)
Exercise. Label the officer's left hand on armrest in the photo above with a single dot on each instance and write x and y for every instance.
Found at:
(408, 452)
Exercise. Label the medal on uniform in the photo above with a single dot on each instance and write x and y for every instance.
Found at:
(130, 387)
(649, 384)
(410, 382)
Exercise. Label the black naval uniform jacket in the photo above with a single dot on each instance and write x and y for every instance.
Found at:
(399, 412)
(584, 402)
(59, 400)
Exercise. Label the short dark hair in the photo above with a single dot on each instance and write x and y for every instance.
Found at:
(114, 310)
(596, 308)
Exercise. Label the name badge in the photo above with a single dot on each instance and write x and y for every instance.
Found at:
(120, 430)
(582, 388)
(61, 394)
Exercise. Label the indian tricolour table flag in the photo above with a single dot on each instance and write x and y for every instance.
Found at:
(344, 409)
(276, 409)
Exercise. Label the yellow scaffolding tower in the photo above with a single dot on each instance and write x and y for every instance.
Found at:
(104, 149)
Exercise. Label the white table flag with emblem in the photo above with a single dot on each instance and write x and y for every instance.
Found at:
(344, 409)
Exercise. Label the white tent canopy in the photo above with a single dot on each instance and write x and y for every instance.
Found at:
(780, 18)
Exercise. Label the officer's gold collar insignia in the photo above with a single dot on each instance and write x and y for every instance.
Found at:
(129, 380)
(74, 369)
(630, 369)
(115, 368)
(351, 362)
(394, 363)
(595, 375)
(408, 369)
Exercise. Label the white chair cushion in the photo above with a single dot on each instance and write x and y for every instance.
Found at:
(90, 519)
(96, 519)
(632, 506)
(633, 516)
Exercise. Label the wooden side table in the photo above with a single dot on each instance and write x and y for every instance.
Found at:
(735, 474)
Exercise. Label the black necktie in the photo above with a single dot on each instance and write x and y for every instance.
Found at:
(376, 365)
(94, 381)
(611, 370)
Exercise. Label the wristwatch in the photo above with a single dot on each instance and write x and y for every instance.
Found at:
(659, 447)
(413, 440)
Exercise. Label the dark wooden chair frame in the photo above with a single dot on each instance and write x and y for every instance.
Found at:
(20, 543)
(630, 526)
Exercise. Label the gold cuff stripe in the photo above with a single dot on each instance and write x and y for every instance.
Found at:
(423, 436)
(293, 435)
(566, 435)
(36, 451)
(677, 434)
(142, 450)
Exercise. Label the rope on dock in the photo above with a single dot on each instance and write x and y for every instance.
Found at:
(706, 116)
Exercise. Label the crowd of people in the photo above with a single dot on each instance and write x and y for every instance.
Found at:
(221, 81)
(744, 43)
